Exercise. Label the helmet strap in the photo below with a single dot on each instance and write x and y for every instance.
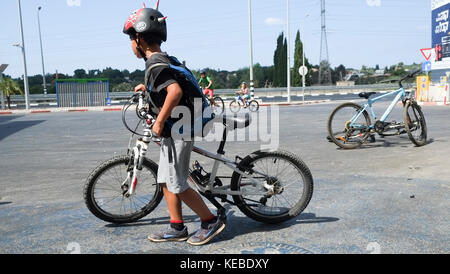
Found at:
(141, 52)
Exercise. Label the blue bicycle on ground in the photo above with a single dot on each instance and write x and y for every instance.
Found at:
(349, 125)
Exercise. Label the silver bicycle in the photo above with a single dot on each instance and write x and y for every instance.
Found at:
(267, 186)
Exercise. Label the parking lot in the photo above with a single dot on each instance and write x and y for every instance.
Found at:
(385, 197)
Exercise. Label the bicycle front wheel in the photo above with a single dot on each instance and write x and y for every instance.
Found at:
(104, 192)
(218, 106)
(286, 178)
(415, 124)
(348, 127)
(253, 106)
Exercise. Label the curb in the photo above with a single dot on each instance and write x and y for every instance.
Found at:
(112, 109)
(433, 104)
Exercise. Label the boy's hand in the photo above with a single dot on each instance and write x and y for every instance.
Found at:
(140, 87)
(158, 128)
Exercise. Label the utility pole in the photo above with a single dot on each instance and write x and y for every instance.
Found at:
(288, 35)
(24, 59)
(250, 33)
(324, 71)
(42, 53)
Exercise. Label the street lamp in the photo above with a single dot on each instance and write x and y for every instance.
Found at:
(303, 50)
(24, 59)
(252, 88)
(42, 53)
(288, 37)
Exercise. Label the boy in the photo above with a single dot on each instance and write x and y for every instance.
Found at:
(147, 30)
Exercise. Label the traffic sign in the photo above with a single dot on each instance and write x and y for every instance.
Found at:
(426, 53)
(303, 70)
(426, 66)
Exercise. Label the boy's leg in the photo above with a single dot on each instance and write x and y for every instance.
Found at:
(195, 202)
(173, 204)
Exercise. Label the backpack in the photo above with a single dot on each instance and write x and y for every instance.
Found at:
(191, 92)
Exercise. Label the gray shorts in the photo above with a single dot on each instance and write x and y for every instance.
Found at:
(174, 161)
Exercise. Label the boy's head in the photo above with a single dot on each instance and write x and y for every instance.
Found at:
(145, 27)
(203, 73)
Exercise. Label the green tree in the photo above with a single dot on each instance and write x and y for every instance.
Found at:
(280, 62)
(79, 74)
(298, 62)
(10, 87)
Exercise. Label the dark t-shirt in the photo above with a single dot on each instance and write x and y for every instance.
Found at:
(159, 79)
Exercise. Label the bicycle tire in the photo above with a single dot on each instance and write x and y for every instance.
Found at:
(99, 212)
(301, 202)
(235, 106)
(253, 106)
(339, 141)
(219, 105)
(409, 123)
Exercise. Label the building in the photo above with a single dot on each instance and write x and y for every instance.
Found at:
(440, 39)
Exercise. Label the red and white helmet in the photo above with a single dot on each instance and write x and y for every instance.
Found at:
(147, 21)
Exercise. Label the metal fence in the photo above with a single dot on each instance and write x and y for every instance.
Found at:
(259, 92)
(82, 93)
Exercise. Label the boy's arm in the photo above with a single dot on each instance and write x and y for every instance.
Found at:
(174, 94)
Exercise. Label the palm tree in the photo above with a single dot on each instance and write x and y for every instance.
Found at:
(10, 87)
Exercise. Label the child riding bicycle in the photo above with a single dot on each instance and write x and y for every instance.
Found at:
(206, 84)
(243, 94)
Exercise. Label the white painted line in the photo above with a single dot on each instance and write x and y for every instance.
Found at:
(53, 104)
(343, 93)
(329, 94)
(270, 96)
(34, 105)
(315, 94)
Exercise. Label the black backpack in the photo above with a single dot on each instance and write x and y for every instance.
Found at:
(191, 93)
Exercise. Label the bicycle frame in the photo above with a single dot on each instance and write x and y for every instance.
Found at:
(141, 148)
(399, 94)
(219, 158)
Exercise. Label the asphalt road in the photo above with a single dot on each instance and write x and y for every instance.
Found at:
(386, 197)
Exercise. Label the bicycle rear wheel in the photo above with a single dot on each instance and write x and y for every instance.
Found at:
(346, 129)
(235, 106)
(104, 193)
(415, 124)
(218, 106)
(288, 180)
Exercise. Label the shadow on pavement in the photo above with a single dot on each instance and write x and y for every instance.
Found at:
(7, 118)
(5, 203)
(244, 225)
(155, 221)
(14, 127)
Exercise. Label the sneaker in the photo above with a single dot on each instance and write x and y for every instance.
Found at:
(203, 236)
(170, 234)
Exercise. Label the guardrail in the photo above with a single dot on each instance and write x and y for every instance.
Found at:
(261, 92)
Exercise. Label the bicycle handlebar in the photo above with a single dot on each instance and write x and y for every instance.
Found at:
(410, 75)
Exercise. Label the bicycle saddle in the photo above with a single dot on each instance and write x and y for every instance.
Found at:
(235, 121)
(366, 95)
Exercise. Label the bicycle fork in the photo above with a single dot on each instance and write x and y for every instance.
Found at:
(130, 183)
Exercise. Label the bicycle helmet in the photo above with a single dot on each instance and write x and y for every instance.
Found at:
(203, 71)
(147, 21)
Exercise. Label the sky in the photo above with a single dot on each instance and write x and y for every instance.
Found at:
(213, 34)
